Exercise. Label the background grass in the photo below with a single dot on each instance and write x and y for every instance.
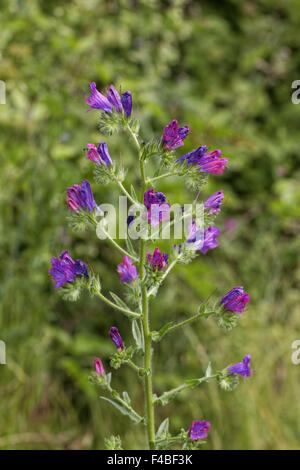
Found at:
(224, 68)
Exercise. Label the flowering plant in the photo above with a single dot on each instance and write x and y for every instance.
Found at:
(143, 270)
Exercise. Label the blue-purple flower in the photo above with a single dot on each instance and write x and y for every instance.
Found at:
(127, 103)
(64, 269)
(97, 100)
(127, 270)
(203, 240)
(199, 430)
(116, 338)
(114, 98)
(207, 162)
(235, 300)
(113, 101)
(173, 136)
(241, 368)
(157, 209)
(158, 260)
(81, 197)
(99, 367)
(214, 202)
(99, 154)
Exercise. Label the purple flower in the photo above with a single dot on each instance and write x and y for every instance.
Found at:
(99, 367)
(210, 162)
(127, 102)
(199, 430)
(81, 197)
(99, 154)
(203, 240)
(242, 368)
(130, 219)
(127, 270)
(214, 202)
(173, 136)
(150, 197)
(116, 338)
(157, 209)
(114, 98)
(98, 101)
(235, 300)
(64, 269)
(158, 260)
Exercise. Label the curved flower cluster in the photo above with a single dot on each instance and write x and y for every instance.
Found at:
(241, 368)
(127, 270)
(235, 300)
(100, 154)
(173, 136)
(81, 197)
(199, 430)
(203, 240)
(113, 100)
(157, 208)
(64, 269)
(207, 162)
(214, 203)
(158, 260)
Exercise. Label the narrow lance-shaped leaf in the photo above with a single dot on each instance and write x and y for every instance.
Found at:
(138, 337)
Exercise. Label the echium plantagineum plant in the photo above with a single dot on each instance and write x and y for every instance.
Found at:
(143, 269)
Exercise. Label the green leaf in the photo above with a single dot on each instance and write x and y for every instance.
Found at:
(125, 411)
(133, 193)
(126, 398)
(119, 301)
(208, 370)
(129, 247)
(138, 337)
(163, 430)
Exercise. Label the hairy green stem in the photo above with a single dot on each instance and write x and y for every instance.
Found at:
(167, 271)
(182, 387)
(147, 335)
(145, 315)
(170, 173)
(185, 322)
(129, 313)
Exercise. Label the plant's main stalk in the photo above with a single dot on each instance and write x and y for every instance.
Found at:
(147, 335)
(145, 315)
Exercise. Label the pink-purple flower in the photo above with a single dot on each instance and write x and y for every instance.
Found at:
(99, 155)
(116, 338)
(203, 240)
(158, 260)
(99, 367)
(241, 368)
(214, 203)
(207, 162)
(127, 270)
(173, 136)
(81, 197)
(199, 430)
(64, 269)
(235, 300)
(157, 209)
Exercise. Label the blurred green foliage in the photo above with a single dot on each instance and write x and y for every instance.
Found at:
(224, 68)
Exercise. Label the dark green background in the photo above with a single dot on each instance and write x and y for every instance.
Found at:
(225, 68)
